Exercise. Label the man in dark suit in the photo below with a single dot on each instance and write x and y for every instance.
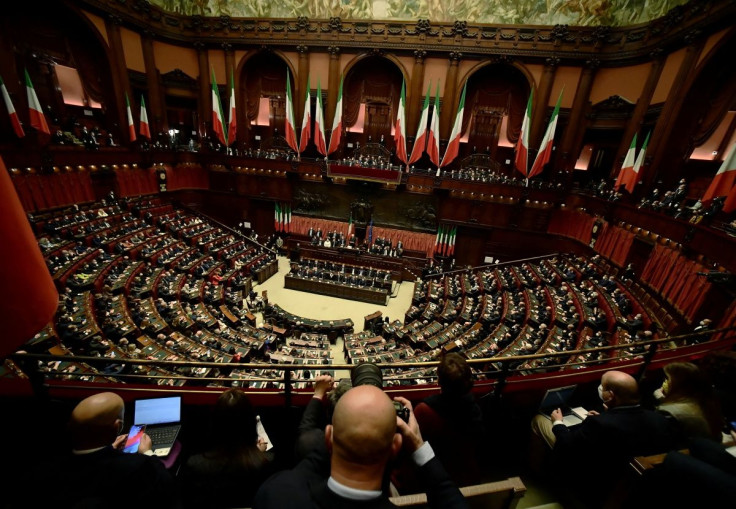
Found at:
(595, 454)
(364, 436)
(97, 473)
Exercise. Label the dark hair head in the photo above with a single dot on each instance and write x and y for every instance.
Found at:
(234, 419)
(686, 381)
(454, 374)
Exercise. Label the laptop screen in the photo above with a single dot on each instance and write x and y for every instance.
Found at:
(157, 410)
(556, 398)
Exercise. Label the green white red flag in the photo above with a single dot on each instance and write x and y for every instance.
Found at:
(723, 182)
(521, 162)
(306, 133)
(38, 120)
(144, 129)
(336, 134)
(628, 165)
(451, 241)
(438, 240)
(218, 119)
(129, 114)
(400, 127)
(350, 226)
(277, 217)
(14, 120)
(433, 141)
(232, 126)
(319, 123)
(633, 177)
(290, 127)
(287, 217)
(420, 141)
(453, 146)
(545, 149)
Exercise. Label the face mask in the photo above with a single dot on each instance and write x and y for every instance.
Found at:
(600, 393)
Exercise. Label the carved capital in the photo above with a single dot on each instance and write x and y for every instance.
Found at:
(199, 46)
(419, 55)
(377, 52)
(552, 62)
(227, 47)
(455, 57)
(592, 64)
(334, 51)
(115, 19)
(656, 53)
(302, 49)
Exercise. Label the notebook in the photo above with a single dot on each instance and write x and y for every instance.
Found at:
(560, 398)
(162, 418)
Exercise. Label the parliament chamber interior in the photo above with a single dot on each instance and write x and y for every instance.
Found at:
(206, 198)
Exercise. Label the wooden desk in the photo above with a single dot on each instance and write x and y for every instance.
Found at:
(231, 317)
(368, 320)
(363, 294)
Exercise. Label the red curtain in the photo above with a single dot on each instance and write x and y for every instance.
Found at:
(614, 243)
(186, 177)
(572, 224)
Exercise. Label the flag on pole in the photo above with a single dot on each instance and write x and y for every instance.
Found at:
(627, 166)
(421, 139)
(633, 177)
(451, 244)
(370, 233)
(14, 120)
(724, 180)
(319, 123)
(131, 125)
(38, 120)
(289, 128)
(277, 217)
(453, 147)
(336, 134)
(287, 218)
(443, 240)
(350, 226)
(232, 126)
(145, 129)
(545, 149)
(218, 119)
(400, 128)
(521, 162)
(306, 121)
(433, 142)
(437, 240)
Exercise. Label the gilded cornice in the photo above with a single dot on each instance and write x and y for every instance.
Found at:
(610, 45)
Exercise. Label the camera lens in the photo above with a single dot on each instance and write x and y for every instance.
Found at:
(367, 373)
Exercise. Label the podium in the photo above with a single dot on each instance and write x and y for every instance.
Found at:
(370, 320)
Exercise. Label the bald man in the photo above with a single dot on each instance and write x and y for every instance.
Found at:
(364, 437)
(599, 449)
(97, 473)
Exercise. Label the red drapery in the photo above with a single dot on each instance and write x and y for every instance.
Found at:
(39, 192)
(614, 243)
(134, 182)
(676, 278)
(572, 224)
(412, 241)
(186, 177)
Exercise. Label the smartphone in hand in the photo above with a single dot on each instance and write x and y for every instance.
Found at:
(134, 438)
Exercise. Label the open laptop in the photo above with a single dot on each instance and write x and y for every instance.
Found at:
(162, 417)
(560, 398)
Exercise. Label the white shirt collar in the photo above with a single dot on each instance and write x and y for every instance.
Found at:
(351, 493)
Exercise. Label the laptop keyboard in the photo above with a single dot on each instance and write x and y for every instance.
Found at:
(162, 436)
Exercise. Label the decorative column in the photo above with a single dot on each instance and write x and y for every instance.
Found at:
(413, 105)
(301, 90)
(205, 97)
(121, 82)
(573, 137)
(658, 146)
(156, 102)
(642, 105)
(541, 100)
(333, 85)
(449, 99)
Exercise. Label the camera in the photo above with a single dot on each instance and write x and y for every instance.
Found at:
(368, 373)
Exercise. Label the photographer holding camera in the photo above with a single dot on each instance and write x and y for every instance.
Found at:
(365, 435)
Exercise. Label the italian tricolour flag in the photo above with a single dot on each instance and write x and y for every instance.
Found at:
(290, 130)
(145, 129)
(232, 126)
(306, 121)
(723, 182)
(11, 111)
(129, 113)
(319, 123)
(421, 139)
(545, 149)
(38, 120)
(218, 119)
(521, 162)
(336, 134)
(433, 141)
(628, 165)
(453, 147)
(400, 129)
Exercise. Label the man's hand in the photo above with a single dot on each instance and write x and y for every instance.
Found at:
(262, 444)
(146, 444)
(593, 412)
(410, 431)
(322, 385)
(119, 442)
(556, 415)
